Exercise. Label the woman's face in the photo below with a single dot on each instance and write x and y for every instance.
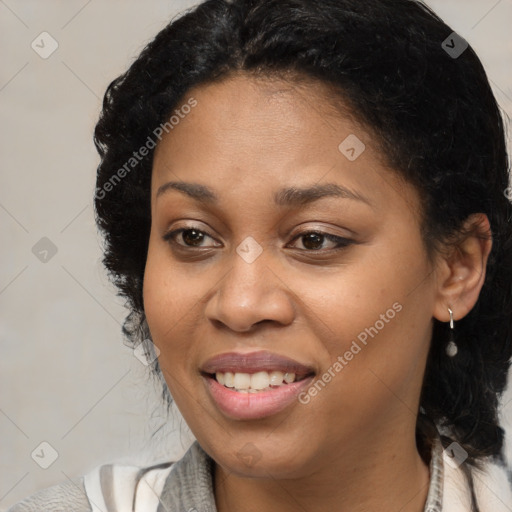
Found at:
(281, 245)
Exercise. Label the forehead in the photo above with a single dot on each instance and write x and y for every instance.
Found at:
(248, 130)
(245, 114)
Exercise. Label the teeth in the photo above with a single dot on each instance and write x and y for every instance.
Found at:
(276, 378)
(242, 381)
(289, 377)
(260, 380)
(251, 383)
(229, 380)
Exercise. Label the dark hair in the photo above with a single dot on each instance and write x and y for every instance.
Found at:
(432, 113)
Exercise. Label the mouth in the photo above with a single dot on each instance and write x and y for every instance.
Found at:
(256, 382)
(254, 385)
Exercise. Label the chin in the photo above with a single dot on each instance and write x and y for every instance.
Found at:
(260, 456)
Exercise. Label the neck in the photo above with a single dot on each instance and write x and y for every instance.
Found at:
(372, 476)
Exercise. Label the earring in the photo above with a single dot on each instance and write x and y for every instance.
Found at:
(451, 347)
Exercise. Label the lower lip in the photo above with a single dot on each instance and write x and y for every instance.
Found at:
(250, 406)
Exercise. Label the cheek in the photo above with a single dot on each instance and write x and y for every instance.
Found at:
(169, 301)
(373, 317)
(362, 292)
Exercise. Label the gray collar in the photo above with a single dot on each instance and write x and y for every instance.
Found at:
(189, 486)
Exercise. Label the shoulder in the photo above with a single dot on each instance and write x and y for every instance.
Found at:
(491, 484)
(493, 487)
(66, 496)
(107, 488)
(455, 484)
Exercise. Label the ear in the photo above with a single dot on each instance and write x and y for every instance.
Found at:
(461, 271)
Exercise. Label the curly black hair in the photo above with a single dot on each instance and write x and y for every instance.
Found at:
(431, 110)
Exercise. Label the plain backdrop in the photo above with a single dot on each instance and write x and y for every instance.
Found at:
(67, 379)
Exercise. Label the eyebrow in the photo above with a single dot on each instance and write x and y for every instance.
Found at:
(290, 196)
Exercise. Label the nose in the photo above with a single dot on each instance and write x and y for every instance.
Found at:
(249, 294)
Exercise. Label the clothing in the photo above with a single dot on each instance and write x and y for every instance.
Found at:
(187, 486)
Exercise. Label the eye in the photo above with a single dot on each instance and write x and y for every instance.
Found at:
(190, 237)
(314, 240)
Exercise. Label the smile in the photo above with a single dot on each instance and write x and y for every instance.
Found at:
(259, 381)
(254, 385)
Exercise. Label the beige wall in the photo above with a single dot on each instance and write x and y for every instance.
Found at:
(66, 377)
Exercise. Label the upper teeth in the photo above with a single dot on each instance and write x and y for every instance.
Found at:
(254, 381)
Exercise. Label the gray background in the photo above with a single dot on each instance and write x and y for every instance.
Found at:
(66, 377)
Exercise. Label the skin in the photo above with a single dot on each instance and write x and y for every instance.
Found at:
(246, 138)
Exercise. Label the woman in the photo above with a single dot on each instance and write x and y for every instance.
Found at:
(306, 206)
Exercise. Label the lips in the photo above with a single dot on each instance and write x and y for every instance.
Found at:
(252, 362)
(228, 378)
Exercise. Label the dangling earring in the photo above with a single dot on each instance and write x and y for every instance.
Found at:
(451, 347)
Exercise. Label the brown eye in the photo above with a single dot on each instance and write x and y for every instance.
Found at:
(190, 237)
(314, 240)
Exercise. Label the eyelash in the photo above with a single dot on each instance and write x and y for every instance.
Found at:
(341, 243)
